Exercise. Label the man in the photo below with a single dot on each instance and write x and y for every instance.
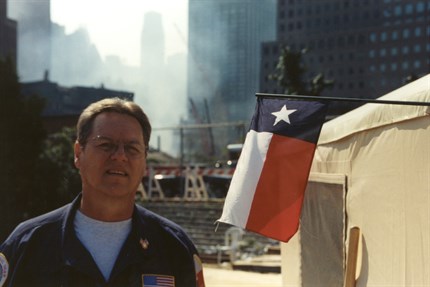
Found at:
(102, 238)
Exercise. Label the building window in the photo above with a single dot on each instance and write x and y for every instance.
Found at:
(282, 27)
(420, 7)
(393, 66)
(383, 36)
(382, 68)
(394, 51)
(346, 18)
(382, 53)
(394, 35)
(417, 64)
(406, 33)
(409, 8)
(365, 15)
(417, 31)
(373, 37)
(405, 50)
(405, 65)
(376, 13)
(341, 41)
(336, 19)
(417, 48)
(398, 10)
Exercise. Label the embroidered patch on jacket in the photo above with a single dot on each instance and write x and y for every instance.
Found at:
(198, 266)
(155, 280)
(4, 267)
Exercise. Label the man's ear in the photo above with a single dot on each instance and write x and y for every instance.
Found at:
(77, 150)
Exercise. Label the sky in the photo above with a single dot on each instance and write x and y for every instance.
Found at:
(115, 26)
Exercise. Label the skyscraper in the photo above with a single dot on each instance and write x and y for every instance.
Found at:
(152, 59)
(224, 39)
(8, 42)
(34, 37)
(152, 45)
(368, 47)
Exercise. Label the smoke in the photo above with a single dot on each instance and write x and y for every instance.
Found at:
(221, 68)
(72, 59)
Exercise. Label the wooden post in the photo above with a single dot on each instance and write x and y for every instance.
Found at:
(351, 263)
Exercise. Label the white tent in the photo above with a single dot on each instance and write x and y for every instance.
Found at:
(371, 170)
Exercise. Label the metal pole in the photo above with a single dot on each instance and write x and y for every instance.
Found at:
(211, 137)
(364, 101)
(181, 147)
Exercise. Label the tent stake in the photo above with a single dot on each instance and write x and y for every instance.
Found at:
(351, 263)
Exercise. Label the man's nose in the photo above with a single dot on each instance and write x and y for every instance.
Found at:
(119, 152)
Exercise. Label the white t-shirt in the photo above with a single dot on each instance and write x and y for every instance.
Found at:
(103, 240)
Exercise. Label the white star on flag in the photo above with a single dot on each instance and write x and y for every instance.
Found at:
(283, 115)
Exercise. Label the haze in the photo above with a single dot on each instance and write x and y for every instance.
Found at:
(115, 26)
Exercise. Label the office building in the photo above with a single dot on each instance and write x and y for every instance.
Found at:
(224, 40)
(34, 37)
(8, 34)
(368, 47)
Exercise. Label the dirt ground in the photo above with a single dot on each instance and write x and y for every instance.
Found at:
(216, 276)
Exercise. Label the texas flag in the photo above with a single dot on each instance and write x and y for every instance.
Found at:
(267, 189)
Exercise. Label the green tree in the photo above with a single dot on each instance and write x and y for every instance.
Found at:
(58, 179)
(21, 139)
(290, 73)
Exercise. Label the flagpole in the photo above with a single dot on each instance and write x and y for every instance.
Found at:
(357, 100)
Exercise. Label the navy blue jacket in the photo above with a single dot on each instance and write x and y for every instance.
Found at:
(45, 251)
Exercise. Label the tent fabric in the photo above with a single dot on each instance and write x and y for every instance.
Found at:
(377, 115)
(383, 152)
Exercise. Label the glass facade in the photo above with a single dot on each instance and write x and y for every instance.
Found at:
(387, 40)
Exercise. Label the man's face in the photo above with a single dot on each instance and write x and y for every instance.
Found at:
(113, 161)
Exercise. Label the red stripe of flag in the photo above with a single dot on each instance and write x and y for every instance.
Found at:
(278, 197)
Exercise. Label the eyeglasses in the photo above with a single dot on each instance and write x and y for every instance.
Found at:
(108, 146)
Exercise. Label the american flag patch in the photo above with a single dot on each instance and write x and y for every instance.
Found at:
(152, 280)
